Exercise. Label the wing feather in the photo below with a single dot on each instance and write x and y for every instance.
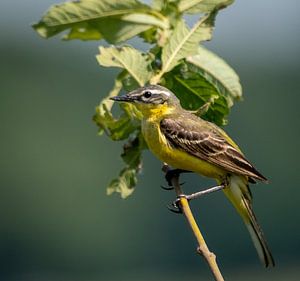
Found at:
(203, 140)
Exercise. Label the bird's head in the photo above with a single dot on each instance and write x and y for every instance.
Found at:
(151, 99)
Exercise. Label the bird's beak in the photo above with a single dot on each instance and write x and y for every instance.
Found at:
(124, 98)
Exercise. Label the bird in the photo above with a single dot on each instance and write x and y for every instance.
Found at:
(189, 143)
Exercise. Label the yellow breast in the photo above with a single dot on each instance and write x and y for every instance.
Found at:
(176, 158)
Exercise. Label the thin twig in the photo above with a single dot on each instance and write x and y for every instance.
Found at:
(202, 248)
(204, 192)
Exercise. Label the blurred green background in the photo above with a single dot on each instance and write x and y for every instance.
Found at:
(57, 222)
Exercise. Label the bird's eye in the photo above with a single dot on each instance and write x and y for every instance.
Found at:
(147, 94)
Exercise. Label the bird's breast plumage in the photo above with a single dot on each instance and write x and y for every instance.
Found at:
(162, 149)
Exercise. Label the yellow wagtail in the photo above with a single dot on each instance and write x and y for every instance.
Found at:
(187, 142)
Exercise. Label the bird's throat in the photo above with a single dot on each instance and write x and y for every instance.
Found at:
(156, 112)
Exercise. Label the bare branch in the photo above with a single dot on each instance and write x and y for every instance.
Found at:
(202, 248)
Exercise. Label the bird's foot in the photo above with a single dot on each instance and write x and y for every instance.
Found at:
(170, 174)
(175, 206)
(170, 187)
(167, 187)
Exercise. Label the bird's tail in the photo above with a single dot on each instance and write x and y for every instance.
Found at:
(239, 194)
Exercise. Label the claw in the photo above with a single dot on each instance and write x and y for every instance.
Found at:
(172, 173)
(174, 209)
(167, 188)
(175, 206)
(170, 187)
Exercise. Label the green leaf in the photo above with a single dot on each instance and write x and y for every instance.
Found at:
(124, 184)
(149, 35)
(128, 58)
(115, 20)
(126, 126)
(116, 129)
(158, 4)
(112, 29)
(115, 30)
(83, 31)
(202, 6)
(73, 12)
(194, 91)
(146, 19)
(132, 155)
(183, 42)
(132, 151)
(218, 73)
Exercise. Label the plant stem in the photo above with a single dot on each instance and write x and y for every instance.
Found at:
(202, 248)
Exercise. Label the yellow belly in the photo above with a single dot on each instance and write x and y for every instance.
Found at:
(179, 159)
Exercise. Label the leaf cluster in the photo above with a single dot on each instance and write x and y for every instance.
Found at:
(176, 59)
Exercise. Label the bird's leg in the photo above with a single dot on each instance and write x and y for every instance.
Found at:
(169, 174)
(174, 172)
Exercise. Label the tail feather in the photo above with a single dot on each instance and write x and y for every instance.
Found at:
(239, 194)
(258, 238)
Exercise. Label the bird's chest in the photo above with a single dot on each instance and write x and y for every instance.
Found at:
(177, 158)
(155, 140)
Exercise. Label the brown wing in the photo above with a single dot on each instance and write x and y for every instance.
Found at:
(201, 139)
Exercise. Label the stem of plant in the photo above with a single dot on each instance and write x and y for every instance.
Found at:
(202, 248)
